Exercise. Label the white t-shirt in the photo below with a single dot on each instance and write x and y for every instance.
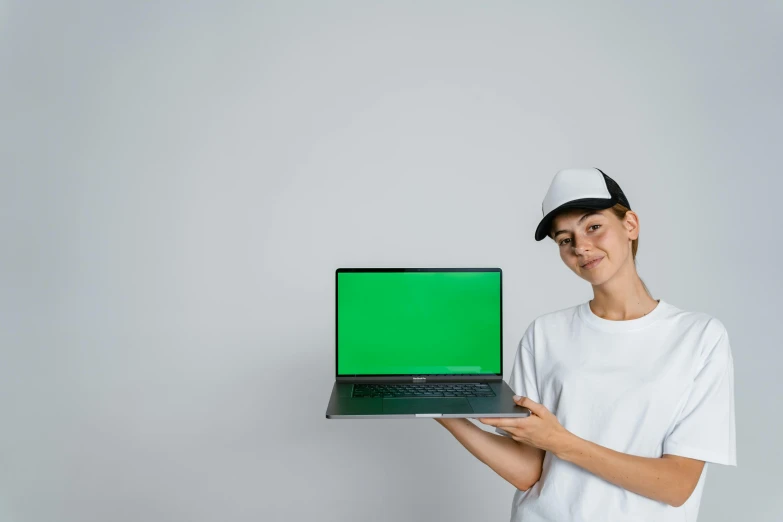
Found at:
(662, 383)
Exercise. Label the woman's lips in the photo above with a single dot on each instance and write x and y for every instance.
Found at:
(593, 264)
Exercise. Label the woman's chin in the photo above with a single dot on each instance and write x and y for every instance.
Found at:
(596, 276)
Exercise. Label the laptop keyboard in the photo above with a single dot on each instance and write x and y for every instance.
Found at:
(470, 389)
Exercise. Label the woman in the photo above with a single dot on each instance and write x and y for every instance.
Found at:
(629, 396)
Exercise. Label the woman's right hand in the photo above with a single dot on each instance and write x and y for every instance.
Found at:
(448, 422)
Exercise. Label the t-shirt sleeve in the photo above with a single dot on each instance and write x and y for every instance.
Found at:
(704, 429)
(522, 379)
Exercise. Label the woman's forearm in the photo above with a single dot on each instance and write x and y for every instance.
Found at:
(656, 478)
(513, 461)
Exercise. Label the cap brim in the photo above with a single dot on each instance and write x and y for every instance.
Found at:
(545, 225)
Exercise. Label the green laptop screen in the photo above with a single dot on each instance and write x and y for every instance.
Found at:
(392, 323)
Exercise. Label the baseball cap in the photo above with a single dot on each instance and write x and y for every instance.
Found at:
(578, 188)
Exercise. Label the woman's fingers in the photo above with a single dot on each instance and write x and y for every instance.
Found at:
(504, 423)
(532, 405)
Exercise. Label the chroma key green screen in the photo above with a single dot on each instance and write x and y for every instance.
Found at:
(394, 323)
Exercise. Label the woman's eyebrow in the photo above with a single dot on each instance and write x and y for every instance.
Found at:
(584, 216)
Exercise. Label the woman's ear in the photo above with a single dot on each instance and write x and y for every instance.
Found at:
(631, 224)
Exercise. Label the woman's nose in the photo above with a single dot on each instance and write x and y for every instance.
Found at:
(581, 244)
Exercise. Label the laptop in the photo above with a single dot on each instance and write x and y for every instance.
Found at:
(419, 342)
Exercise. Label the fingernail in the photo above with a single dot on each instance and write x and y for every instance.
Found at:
(517, 397)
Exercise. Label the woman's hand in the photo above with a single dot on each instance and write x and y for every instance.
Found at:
(450, 422)
(541, 429)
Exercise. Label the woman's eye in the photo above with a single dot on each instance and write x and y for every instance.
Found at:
(591, 226)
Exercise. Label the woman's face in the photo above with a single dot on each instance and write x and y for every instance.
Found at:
(583, 235)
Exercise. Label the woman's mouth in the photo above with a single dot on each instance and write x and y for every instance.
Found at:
(593, 263)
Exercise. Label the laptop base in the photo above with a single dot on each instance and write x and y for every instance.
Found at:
(343, 406)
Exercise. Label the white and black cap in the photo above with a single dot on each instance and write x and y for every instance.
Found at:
(578, 188)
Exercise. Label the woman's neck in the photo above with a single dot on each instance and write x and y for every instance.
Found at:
(622, 300)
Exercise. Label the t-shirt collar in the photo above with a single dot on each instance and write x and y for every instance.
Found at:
(607, 325)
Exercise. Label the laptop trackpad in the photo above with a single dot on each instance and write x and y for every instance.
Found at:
(433, 405)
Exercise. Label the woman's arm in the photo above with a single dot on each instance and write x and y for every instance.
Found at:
(670, 478)
(520, 464)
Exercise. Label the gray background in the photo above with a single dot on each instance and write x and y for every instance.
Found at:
(181, 179)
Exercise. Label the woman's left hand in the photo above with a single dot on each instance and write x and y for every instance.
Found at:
(541, 429)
